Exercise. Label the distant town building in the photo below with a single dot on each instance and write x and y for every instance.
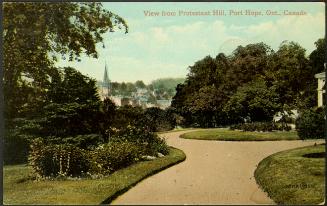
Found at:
(105, 85)
(321, 90)
(117, 100)
(164, 103)
(138, 98)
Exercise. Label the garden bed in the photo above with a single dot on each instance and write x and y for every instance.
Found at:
(20, 189)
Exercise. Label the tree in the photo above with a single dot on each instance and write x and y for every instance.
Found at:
(109, 114)
(253, 82)
(317, 56)
(123, 88)
(70, 119)
(140, 84)
(202, 73)
(195, 100)
(203, 105)
(253, 100)
(130, 88)
(72, 86)
(127, 115)
(290, 73)
(308, 97)
(157, 120)
(247, 63)
(35, 33)
(178, 103)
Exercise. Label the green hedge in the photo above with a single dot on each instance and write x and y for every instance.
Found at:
(52, 160)
(114, 155)
(261, 126)
(141, 135)
(16, 148)
(311, 124)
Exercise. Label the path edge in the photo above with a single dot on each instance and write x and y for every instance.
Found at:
(153, 172)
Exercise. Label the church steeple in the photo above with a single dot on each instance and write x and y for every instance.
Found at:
(106, 86)
(105, 77)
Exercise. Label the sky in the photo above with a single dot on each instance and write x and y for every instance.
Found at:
(165, 46)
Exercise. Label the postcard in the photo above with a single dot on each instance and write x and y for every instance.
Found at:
(160, 103)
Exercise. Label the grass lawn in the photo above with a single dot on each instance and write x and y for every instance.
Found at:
(290, 178)
(233, 135)
(18, 189)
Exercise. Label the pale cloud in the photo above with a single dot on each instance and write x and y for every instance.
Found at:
(302, 29)
(160, 36)
(151, 51)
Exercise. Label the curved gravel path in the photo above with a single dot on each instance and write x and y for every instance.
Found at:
(214, 172)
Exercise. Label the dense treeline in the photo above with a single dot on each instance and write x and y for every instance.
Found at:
(252, 84)
(54, 118)
(74, 114)
(163, 88)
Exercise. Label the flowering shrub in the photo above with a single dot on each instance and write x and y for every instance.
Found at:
(158, 145)
(51, 160)
(57, 159)
(140, 135)
(114, 155)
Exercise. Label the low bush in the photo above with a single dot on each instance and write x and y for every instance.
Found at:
(311, 124)
(142, 135)
(158, 145)
(17, 137)
(51, 158)
(16, 148)
(158, 120)
(57, 159)
(114, 155)
(261, 126)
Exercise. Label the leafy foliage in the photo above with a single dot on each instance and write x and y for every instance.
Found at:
(35, 33)
(57, 160)
(127, 115)
(253, 100)
(253, 83)
(86, 141)
(261, 127)
(71, 119)
(75, 157)
(157, 120)
(115, 155)
(317, 56)
(69, 85)
(15, 148)
(141, 136)
(311, 124)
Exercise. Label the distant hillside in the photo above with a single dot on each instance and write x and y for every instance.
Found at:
(167, 83)
(164, 88)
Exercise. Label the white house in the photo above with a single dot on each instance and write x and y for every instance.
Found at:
(321, 88)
